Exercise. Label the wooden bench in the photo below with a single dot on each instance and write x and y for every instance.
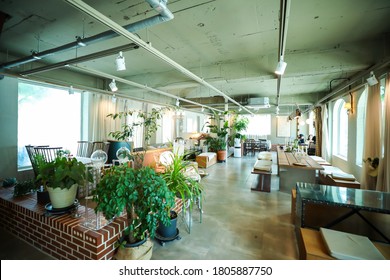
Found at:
(263, 180)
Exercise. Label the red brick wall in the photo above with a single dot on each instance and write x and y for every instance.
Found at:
(61, 236)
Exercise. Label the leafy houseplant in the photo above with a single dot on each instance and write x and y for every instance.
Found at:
(240, 124)
(218, 144)
(127, 131)
(182, 179)
(142, 193)
(61, 177)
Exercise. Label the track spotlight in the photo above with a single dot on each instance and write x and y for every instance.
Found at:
(177, 102)
(372, 79)
(281, 67)
(113, 99)
(113, 86)
(80, 42)
(277, 110)
(71, 90)
(120, 62)
(202, 109)
(239, 109)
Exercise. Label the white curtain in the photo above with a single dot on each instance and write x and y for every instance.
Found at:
(383, 182)
(325, 135)
(372, 134)
(99, 106)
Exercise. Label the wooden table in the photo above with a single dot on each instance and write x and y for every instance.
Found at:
(290, 173)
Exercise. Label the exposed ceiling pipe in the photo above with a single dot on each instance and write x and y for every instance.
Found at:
(87, 57)
(120, 30)
(159, 5)
(134, 84)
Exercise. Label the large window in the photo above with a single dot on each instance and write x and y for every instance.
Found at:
(259, 126)
(340, 129)
(47, 116)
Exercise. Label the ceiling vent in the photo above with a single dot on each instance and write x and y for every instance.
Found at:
(258, 103)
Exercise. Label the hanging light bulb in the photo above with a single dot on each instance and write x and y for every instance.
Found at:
(177, 102)
(113, 98)
(120, 62)
(113, 86)
(202, 109)
(239, 109)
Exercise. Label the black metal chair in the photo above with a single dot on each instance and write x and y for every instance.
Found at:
(31, 154)
(48, 153)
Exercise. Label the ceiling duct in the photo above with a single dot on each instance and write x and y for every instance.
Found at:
(158, 5)
(258, 103)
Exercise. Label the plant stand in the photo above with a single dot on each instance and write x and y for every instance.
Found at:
(162, 239)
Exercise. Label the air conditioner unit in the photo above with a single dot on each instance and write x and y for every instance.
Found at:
(258, 103)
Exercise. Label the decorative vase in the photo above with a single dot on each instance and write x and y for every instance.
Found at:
(62, 198)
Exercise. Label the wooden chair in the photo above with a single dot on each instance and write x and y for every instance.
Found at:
(84, 148)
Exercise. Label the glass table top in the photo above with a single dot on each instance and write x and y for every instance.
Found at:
(348, 197)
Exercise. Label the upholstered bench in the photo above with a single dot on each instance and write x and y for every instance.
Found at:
(263, 168)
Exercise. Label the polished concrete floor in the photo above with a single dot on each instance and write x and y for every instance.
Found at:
(237, 223)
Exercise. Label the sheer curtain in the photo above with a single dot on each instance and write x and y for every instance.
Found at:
(383, 182)
(318, 116)
(325, 152)
(99, 106)
(372, 134)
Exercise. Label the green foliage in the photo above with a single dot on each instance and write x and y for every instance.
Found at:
(25, 187)
(239, 124)
(148, 121)
(218, 143)
(179, 182)
(142, 193)
(62, 173)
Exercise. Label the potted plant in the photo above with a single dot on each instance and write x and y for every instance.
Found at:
(124, 135)
(239, 124)
(218, 144)
(146, 199)
(61, 178)
(182, 179)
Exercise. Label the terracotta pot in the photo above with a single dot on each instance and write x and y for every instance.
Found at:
(221, 155)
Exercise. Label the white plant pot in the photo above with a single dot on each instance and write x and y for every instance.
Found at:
(62, 198)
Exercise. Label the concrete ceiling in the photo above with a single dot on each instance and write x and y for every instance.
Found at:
(232, 45)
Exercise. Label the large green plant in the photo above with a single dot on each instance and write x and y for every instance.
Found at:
(142, 193)
(178, 179)
(239, 124)
(61, 173)
(147, 120)
(218, 143)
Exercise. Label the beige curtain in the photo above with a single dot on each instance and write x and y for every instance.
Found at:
(383, 181)
(318, 125)
(99, 106)
(372, 134)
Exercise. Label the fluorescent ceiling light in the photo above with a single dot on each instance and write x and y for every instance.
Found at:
(281, 67)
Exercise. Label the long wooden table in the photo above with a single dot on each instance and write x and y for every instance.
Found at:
(292, 169)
